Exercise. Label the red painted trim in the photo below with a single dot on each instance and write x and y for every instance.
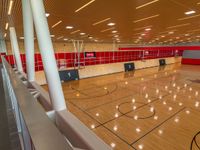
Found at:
(190, 61)
(162, 48)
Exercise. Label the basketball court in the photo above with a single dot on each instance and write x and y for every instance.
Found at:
(100, 74)
(154, 108)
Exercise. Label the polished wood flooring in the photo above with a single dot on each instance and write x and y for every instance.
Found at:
(150, 109)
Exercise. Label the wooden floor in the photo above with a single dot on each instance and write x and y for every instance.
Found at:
(150, 109)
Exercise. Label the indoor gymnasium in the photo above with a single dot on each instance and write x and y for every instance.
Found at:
(100, 75)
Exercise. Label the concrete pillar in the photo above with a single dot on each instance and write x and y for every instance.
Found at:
(28, 39)
(48, 57)
(15, 48)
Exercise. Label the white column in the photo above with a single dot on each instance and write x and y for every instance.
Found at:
(48, 57)
(28, 39)
(3, 46)
(15, 48)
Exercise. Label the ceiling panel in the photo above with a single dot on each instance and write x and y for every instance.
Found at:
(122, 13)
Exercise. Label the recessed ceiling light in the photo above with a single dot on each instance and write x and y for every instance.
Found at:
(90, 37)
(96, 23)
(148, 29)
(146, 4)
(56, 24)
(10, 7)
(141, 28)
(5, 34)
(84, 5)
(143, 19)
(82, 33)
(21, 37)
(6, 26)
(69, 27)
(111, 24)
(108, 29)
(171, 32)
(47, 14)
(190, 12)
(75, 31)
(189, 17)
(65, 39)
(60, 37)
(114, 31)
(177, 26)
(52, 35)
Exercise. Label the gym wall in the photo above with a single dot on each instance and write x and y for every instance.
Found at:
(61, 47)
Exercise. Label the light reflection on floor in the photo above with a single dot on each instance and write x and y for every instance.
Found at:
(151, 109)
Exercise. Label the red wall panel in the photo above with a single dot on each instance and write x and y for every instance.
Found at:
(191, 61)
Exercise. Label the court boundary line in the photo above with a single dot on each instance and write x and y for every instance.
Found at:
(180, 110)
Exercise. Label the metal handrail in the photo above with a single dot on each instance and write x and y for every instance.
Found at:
(36, 128)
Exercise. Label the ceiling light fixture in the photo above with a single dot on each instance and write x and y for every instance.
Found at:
(141, 28)
(146, 4)
(190, 12)
(60, 37)
(65, 39)
(5, 35)
(10, 7)
(108, 29)
(52, 35)
(75, 31)
(147, 18)
(111, 24)
(99, 22)
(185, 18)
(148, 29)
(82, 33)
(114, 31)
(84, 6)
(177, 26)
(47, 14)
(194, 30)
(69, 27)
(56, 24)
(6, 26)
(168, 31)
